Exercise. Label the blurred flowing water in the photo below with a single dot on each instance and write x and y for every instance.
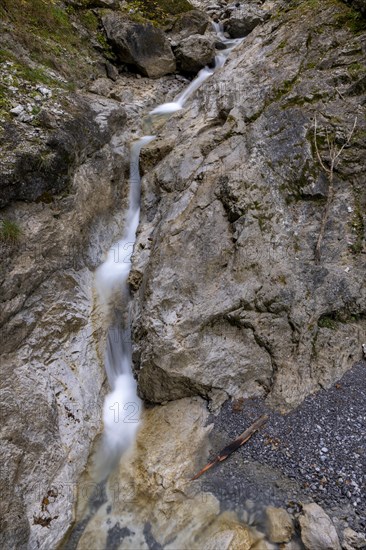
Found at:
(122, 407)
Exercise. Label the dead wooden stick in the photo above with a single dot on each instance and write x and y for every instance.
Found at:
(238, 442)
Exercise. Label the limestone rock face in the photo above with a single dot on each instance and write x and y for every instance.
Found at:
(317, 530)
(30, 172)
(52, 379)
(142, 46)
(194, 53)
(231, 300)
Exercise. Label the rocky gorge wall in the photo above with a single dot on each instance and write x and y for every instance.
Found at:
(231, 300)
(228, 298)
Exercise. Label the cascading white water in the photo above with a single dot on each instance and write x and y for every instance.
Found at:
(121, 410)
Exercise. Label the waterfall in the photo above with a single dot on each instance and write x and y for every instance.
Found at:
(122, 407)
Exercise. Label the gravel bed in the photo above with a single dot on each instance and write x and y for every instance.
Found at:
(314, 453)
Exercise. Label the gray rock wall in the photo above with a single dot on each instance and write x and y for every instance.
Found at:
(231, 300)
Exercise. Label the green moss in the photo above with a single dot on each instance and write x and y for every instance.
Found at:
(5, 104)
(282, 279)
(282, 44)
(10, 232)
(327, 321)
(351, 19)
(342, 15)
(356, 70)
(89, 20)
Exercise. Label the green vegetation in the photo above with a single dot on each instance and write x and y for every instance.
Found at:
(23, 71)
(351, 19)
(89, 20)
(282, 44)
(327, 321)
(51, 34)
(356, 70)
(10, 232)
(157, 12)
(4, 102)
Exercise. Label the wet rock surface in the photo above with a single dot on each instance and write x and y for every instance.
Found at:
(64, 189)
(150, 502)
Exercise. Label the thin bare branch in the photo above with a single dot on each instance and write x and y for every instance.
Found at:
(334, 156)
(316, 146)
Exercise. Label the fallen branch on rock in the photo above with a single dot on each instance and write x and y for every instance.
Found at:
(238, 442)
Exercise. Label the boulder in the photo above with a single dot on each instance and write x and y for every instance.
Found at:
(191, 22)
(280, 526)
(194, 53)
(141, 45)
(243, 20)
(317, 529)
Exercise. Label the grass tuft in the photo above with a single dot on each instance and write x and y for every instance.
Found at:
(10, 232)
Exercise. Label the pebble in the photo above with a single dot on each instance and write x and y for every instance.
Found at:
(25, 117)
(17, 110)
(46, 92)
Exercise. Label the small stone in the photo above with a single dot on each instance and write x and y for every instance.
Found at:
(46, 92)
(324, 450)
(317, 529)
(353, 540)
(25, 117)
(17, 110)
(279, 524)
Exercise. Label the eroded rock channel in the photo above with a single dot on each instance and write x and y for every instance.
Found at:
(233, 312)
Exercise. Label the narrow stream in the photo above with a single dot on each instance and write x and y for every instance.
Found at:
(121, 411)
